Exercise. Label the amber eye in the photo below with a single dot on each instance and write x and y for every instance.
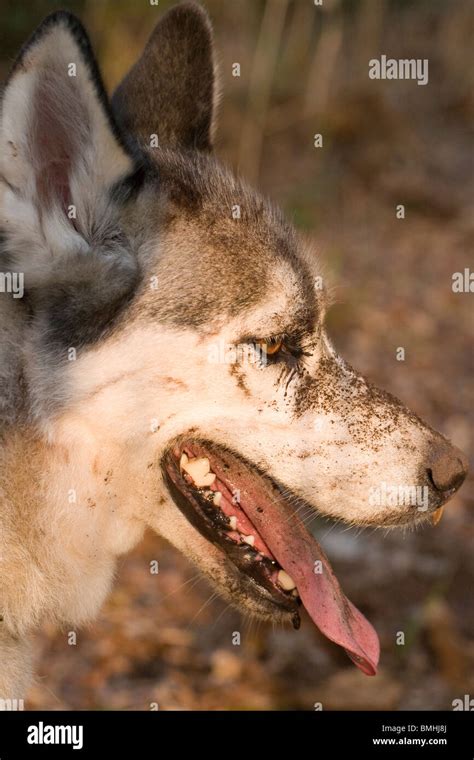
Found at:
(271, 347)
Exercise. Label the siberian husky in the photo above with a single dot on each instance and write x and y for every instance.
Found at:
(168, 364)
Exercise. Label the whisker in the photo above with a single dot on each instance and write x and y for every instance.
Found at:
(196, 578)
(222, 613)
(213, 596)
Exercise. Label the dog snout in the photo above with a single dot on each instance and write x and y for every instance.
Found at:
(448, 468)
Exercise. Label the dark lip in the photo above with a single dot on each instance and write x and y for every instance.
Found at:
(212, 524)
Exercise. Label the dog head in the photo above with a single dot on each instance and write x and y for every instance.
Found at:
(175, 320)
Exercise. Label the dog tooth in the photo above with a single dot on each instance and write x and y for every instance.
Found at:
(199, 465)
(217, 498)
(436, 516)
(198, 469)
(233, 522)
(286, 582)
(250, 540)
(184, 460)
(207, 480)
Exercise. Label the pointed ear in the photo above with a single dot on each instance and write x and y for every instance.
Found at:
(170, 91)
(60, 151)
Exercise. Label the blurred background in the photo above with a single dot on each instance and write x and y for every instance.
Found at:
(164, 638)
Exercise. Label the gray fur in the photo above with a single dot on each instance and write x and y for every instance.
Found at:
(216, 265)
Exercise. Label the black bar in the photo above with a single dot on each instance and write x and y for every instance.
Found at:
(151, 734)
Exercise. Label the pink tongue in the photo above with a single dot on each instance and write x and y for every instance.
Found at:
(303, 559)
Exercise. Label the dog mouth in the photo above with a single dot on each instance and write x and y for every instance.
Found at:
(249, 517)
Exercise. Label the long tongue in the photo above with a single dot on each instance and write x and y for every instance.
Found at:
(303, 559)
(329, 608)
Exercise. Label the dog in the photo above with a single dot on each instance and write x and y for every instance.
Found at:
(168, 363)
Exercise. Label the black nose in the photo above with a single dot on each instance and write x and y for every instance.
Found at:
(448, 468)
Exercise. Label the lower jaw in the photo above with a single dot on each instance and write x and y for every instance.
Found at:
(247, 592)
(250, 588)
(245, 595)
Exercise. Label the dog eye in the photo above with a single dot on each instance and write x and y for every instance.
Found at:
(279, 349)
(271, 347)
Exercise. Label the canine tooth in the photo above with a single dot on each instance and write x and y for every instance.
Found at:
(217, 498)
(286, 582)
(183, 461)
(198, 469)
(233, 522)
(250, 540)
(436, 516)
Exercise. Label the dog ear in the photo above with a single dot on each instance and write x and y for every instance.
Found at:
(170, 92)
(60, 151)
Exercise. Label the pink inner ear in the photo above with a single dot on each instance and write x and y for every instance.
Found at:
(59, 134)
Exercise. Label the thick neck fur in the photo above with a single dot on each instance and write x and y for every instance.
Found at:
(65, 488)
